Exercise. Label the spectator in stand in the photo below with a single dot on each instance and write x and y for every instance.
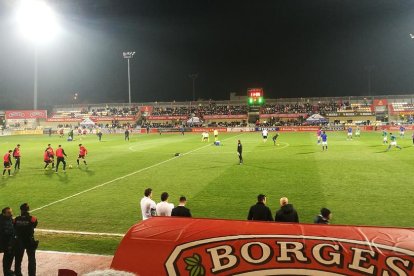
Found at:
(148, 206)
(181, 210)
(286, 213)
(260, 211)
(7, 240)
(164, 208)
(324, 217)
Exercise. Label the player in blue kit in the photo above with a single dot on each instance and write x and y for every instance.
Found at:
(350, 133)
(402, 131)
(324, 141)
(393, 143)
(385, 137)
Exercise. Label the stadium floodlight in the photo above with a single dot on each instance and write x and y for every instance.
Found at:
(38, 23)
(193, 77)
(128, 56)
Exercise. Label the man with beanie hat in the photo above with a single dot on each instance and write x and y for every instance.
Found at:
(324, 216)
(286, 213)
(24, 226)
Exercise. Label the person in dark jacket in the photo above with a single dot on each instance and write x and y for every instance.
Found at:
(324, 216)
(7, 240)
(24, 226)
(286, 213)
(181, 210)
(260, 211)
(240, 152)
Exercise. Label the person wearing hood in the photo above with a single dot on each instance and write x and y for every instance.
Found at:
(286, 213)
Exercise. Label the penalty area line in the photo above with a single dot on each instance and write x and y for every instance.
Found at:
(122, 177)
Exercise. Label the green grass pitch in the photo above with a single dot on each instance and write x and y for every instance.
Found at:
(360, 182)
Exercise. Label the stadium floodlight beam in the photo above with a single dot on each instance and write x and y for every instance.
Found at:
(37, 22)
(128, 56)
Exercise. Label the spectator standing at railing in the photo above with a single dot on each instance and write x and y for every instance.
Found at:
(286, 213)
(24, 226)
(148, 206)
(260, 211)
(7, 243)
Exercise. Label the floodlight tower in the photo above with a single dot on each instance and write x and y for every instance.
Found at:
(37, 22)
(193, 77)
(128, 56)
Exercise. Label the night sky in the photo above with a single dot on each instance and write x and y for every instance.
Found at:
(290, 48)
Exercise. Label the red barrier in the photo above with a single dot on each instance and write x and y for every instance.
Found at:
(182, 246)
(25, 114)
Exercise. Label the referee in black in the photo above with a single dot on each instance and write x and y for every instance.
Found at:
(240, 152)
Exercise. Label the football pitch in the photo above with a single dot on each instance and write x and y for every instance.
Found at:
(360, 182)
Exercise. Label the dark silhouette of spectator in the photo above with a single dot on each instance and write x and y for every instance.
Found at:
(181, 210)
(324, 216)
(260, 211)
(286, 213)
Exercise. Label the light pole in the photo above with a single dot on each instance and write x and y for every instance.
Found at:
(37, 22)
(128, 56)
(193, 77)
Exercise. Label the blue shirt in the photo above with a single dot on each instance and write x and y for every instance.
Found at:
(324, 137)
(402, 128)
(350, 130)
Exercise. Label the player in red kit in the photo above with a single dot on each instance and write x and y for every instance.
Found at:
(17, 155)
(47, 159)
(82, 153)
(60, 154)
(49, 149)
(7, 161)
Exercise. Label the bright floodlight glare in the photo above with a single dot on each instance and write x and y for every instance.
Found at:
(36, 20)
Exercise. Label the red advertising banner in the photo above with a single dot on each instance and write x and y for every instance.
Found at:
(240, 117)
(299, 128)
(284, 115)
(146, 109)
(209, 129)
(100, 119)
(64, 120)
(185, 246)
(26, 114)
(155, 118)
(380, 102)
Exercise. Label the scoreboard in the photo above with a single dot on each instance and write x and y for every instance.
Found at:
(255, 96)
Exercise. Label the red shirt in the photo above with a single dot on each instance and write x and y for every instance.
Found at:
(50, 151)
(59, 152)
(83, 150)
(16, 152)
(46, 156)
(6, 157)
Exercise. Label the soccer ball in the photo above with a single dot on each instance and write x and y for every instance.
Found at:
(70, 166)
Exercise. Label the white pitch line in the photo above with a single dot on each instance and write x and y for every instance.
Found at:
(121, 177)
(82, 233)
(73, 253)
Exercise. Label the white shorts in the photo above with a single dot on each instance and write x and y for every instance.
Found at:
(393, 143)
(402, 133)
(324, 143)
(385, 139)
(349, 133)
(319, 138)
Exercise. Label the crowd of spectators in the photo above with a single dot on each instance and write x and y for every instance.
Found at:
(200, 110)
(257, 212)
